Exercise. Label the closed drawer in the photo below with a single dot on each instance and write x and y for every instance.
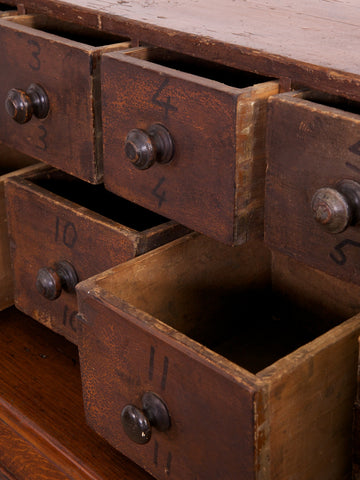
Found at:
(49, 82)
(313, 181)
(64, 230)
(10, 161)
(185, 138)
(204, 361)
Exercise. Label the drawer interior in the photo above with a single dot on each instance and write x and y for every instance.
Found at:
(97, 199)
(75, 32)
(196, 66)
(11, 160)
(334, 101)
(4, 7)
(251, 307)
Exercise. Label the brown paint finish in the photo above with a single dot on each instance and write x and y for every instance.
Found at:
(172, 328)
(49, 221)
(69, 137)
(216, 119)
(313, 142)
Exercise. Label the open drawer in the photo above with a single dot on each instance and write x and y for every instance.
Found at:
(64, 230)
(203, 361)
(49, 82)
(186, 138)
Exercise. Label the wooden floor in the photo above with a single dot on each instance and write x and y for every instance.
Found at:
(42, 422)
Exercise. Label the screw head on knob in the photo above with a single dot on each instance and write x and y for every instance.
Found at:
(22, 105)
(338, 207)
(144, 148)
(138, 423)
(50, 282)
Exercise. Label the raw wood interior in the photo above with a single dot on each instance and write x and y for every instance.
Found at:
(77, 33)
(233, 300)
(99, 200)
(196, 66)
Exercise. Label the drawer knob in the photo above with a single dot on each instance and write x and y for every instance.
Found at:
(22, 105)
(138, 423)
(50, 282)
(144, 148)
(337, 208)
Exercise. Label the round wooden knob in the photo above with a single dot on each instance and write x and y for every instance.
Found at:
(138, 423)
(337, 208)
(144, 148)
(50, 282)
(22, 105)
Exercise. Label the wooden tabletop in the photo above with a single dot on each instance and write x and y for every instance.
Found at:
(313, 42)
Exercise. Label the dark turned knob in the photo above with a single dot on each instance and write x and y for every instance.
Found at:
(144, 148)
(337, 208)
(22, 105)
(50, 282)
(138, 423)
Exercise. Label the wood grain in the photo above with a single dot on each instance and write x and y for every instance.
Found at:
(293, 352)
(312, 144)
(51, 218)
(216, 118)
(43, 433)
(70, 135)
(278, 39)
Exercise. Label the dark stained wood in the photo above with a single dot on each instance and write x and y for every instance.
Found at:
(68, 70)
(216, 118)
(43, 434)
(195, 316)
(51, 219)
(311, 145)
(241, 34)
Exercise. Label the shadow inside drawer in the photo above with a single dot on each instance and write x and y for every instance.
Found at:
(99, 200)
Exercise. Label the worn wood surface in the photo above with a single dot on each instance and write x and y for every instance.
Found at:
(286, 347)
(310, 146)
(216, 118)
(311, 392)
(275, 38)
(67, 69)
(43, 434)
(51, 219)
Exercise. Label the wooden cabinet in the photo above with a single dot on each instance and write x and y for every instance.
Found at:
(204, 355)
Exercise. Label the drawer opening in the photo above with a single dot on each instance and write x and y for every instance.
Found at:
(239, 302)
(11, 160)
(99, 200)
(4, 7)
(196, 66)
(333, 101)
(75, 32)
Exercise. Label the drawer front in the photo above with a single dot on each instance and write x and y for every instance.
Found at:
(64, 130)
(312, 183)
(211, 135)
(47, 230)
(211, 432)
